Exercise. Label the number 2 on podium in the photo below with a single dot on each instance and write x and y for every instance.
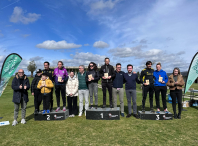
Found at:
(101, 115)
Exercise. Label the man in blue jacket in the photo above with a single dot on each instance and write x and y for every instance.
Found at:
(160, 80)
(20, 85)
(118, 82)
(131, 79)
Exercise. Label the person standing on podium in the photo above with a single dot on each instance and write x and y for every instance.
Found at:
(160, 80)
(130, 80)
(147, 80)
(107, 73)
(49, 73)
(92, 77)
(60, 78)
(118, 82)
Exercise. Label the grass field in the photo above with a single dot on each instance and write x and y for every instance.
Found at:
(79, 131)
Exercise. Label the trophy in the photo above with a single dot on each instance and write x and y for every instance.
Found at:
(160, 79)
(147, 82)
(90, 76)
(59, 79)
(43, 83)
(106, 75)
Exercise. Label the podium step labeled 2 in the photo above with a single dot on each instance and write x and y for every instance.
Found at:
(148, 115)
(60, 115)
(103, 114)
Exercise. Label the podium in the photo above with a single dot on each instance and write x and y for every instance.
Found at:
(148, 115)
(60, 115)
(103, 114)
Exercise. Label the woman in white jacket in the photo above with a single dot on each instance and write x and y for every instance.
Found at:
(72, 93)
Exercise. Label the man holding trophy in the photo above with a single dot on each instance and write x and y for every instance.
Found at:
(160, 79)
(60, 78)
(107, 73)
(146, 79)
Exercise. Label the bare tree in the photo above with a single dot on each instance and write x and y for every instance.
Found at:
(32, 67)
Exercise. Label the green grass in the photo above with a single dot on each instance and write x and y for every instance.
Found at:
(79, 131)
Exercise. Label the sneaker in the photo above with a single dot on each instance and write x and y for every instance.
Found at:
(73, 115)
(48, 111)
(122, 114)
(96, 106)
(143, 110)
(80, 114)
(14, 123)
(23, 121)
(175, 116)
(91, 107)
(43, 111)
(111, 106)
(58, 109)
(129, 115)
(70, 116)
(64, 109)
(178, 116)
(166, 111)
(136, 116)
(152, 110)
(158, 111)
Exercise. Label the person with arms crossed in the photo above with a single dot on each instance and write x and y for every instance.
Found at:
(107, 73)
(130, 80)
(160, 80)
(20, 86)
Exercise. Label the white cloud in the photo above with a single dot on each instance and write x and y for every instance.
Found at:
(36, 58)
(25, 35)
(101, 6)
(19, 15)
(86, 44)
(2, 57)
(51, 44)
(100, 44)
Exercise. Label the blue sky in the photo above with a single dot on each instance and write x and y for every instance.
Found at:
(80, 31)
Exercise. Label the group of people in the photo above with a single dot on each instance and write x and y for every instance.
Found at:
(85, 85)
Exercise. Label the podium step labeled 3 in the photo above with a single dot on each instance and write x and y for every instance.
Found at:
(148, 115)
(103, 114)
(60, 115)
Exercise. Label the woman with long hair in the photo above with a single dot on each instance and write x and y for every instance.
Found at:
(92, 78)
(175, 83)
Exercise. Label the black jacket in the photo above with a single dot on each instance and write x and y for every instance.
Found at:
(118, 80)
(95, 75)
(147, 74)
(35, 83)
(107, 69)
(18, 93)
(49, 73)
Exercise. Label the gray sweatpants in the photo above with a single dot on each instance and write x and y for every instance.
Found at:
(119, 92)
(129, 94)
(23, 109)
(93, 89)
(83, 94)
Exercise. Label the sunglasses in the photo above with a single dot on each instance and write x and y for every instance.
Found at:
(91, 65)
(20, 72)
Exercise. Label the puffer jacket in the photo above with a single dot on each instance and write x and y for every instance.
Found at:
(72, 86)
(48, 88)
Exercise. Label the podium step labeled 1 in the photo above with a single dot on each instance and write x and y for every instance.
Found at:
(148, 115)
(60, 115)
(103, 114)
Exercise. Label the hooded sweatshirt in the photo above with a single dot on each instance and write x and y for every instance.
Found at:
(157, 74)
(60, 73)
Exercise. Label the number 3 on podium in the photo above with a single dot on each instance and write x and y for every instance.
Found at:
(101, 115)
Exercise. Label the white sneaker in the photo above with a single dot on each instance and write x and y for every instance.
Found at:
(80, 114)
(23, 121)
(73, 115)
(70, 116)
(14, 123)
(85, 113)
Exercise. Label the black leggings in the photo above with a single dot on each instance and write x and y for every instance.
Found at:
(176, 94)
(163, 90)
(46, 101)
(37, 99)
(146, 89)
(72, 105)
(62, 89)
